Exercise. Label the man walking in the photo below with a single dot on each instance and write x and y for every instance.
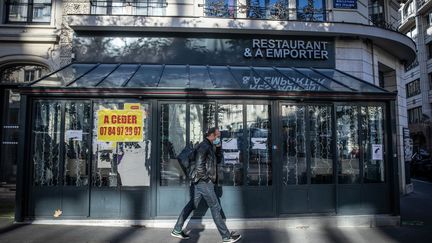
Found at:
(203, 176)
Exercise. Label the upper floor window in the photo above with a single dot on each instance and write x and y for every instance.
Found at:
(21, 73)
(429, 19)
(267, 9)
(430, 81)
(133, 7)
(28, 11)
(412, 33)
(413, 88)
(429, 48)
(311, 10)
(220, 8)
(376, 12)
(415, 115)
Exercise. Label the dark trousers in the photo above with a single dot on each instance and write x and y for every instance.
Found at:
(204, 190)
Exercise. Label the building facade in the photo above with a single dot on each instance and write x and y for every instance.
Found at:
(309, 97)
(416, 23)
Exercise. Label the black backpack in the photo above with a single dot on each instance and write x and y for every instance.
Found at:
(186, 159)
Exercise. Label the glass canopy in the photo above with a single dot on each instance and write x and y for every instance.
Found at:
(82, 75)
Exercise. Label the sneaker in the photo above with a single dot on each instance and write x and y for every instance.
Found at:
(234, 237)
(180, 235)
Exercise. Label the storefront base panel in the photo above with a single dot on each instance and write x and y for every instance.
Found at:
(363, 199)
(253, 223)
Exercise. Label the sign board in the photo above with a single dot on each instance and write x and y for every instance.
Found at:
(377, 152)
(120, 126)
(259, 143)
(345, 4)
(75, 135)
(240, 49)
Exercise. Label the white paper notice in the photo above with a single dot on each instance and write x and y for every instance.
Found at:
(377, 152)
(75, 135)
(229, 143)
(231, 157)
(259, 143)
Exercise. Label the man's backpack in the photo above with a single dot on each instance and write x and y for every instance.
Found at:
(186, 159)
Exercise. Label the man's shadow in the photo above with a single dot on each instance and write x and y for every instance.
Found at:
(195, 229)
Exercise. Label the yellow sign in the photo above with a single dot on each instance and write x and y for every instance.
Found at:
(120, 126)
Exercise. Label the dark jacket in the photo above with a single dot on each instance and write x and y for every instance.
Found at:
(206, 161)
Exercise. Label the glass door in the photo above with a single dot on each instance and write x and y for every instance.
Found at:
(121, 167)
(60, 158)
(306, 155)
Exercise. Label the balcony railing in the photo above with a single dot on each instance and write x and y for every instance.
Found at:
(276, 11)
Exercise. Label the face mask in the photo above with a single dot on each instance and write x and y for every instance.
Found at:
(216, 141)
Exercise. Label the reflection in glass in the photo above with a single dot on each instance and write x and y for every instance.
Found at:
(77, 147)
(372, 122)
(320, 137)
(348, 144)
(201, 119)
(293, 145)
(121, 163)
(259, 165)
(46, 143)
(220, 8)
(268, 9)
(173, 140)
(311, 10)
(230, 119)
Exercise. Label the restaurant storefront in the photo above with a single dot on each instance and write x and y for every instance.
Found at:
(298, 136)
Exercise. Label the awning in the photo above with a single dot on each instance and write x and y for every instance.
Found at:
(195, 77)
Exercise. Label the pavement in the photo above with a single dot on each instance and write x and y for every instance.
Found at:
(416, 227)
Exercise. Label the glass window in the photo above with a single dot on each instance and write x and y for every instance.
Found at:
(259, 164)
(202, 117)
(372, 122)
(21, 73)
(272, 9)
(223, 77)
(29, 11)
(121, 163)
(200, 78)
(110, 7)
(77, 143)
(95, 76)
(348, 144)
(413, 88)
(249, 79)
(230, 122)
(173, 140)
(150, 7)
(119, 76)
(429, 19)
(220, 8)
(326, 82)
(320, 142)
(146, 76)
(376, 12)
(66, 75)
(175, 76)
(415, 115)
(311, 10)
(429, 47)
(177, 130)
(352, 82)
(46, 143)
(293, 145)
